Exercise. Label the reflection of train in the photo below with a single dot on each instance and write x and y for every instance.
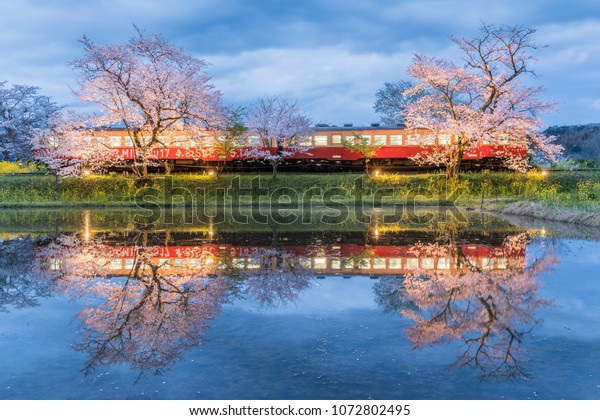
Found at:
(346, 259)
(395, 146)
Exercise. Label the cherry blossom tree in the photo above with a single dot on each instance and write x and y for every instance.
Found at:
(152, 88)
(146, 315)
(23, 113)
(489, 309)
(281, 129)
(481, 100)
(145, 308)
(69, 147)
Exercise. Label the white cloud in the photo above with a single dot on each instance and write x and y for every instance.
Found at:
(331, 83)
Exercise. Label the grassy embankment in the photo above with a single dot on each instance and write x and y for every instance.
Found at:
(567, 190)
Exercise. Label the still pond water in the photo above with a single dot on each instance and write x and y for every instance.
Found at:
(103, 305)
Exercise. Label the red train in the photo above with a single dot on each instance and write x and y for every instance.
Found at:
(397, 145)
(348, 259)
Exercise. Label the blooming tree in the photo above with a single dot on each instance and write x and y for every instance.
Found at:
(69, 147)
(145, 316)
(487, 308)
(23, 113)
(482, 100)
(151, 88)
(281, 129)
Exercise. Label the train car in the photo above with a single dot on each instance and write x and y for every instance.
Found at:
(396, 148)
(343, 258)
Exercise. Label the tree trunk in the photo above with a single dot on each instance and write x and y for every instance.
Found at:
(274, 164)
(453, 167)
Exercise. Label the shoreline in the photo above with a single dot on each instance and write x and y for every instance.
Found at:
(540, 211)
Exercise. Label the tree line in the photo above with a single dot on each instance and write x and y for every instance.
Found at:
(153, 89)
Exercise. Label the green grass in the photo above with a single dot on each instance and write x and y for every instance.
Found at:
(19, 168)
(578, 190)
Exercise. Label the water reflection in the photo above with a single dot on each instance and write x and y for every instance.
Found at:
(151, 292)
(20, 284)
(483, 296)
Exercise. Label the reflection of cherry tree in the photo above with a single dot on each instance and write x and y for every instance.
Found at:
(278, 279)
(489, 309)
(20, 283)
(146, 317)
(145, 307)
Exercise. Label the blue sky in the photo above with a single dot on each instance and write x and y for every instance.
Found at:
(331, 56)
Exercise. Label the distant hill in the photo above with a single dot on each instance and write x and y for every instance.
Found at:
(581, 142)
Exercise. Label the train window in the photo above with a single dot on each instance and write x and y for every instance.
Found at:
(304, 262)
(427, 263)
(304, 141)
(253, 140)
(443, 139)
(129, 263)
(396, 140)
(180, 141)
(379, 263)
(336, 264)
(364, 263)
(128, 141)
(55, 264)
(53, 141)
(412, 263)
(366, 139)
(429, 139)
(380, 140)
(336, 139)
(412, 139)
(320, 141)
(395, 263)
(503, 139)
(116, 264)
(115, 141)
(502, 263)
(320, 263)
(443, 263)
(487, 263)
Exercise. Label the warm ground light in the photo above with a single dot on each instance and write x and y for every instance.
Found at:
(578, 191)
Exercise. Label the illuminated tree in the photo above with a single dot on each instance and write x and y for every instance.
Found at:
(146, 316)
(150, 87)
(281, 128)
(69, 147)
(146, 310)
(481, 100)
(489, 309)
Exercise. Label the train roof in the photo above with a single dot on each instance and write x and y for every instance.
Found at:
(350, 127)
